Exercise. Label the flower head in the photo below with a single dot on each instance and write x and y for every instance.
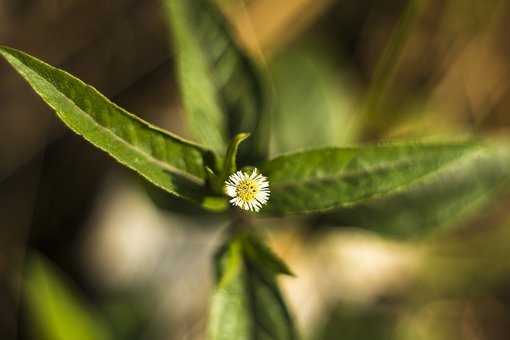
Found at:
(248, 192)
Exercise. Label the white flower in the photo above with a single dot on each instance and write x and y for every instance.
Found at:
(248, 192)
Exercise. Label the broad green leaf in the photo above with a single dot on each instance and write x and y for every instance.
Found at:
(440, 202)
(221, 89)
(324, 179)
(165, 160)
(55, 309)
(247, 304)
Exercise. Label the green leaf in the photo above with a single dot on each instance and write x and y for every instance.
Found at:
(320, 180)
(231, 157)
(440, 202)
(247, 303)
(261, 254)
(220, 86)
(55, 308)
(165, 160)
(217, 181)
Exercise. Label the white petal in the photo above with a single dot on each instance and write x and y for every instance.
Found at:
(230, 190)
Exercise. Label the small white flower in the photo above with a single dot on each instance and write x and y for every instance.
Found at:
(248, 192)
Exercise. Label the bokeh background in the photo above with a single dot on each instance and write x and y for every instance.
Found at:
(76, 226)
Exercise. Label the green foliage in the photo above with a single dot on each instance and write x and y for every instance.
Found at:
(230, 163)
(247, 303)
(231, 157)
(436, 203)
(325, 179)
(165, 160)
(266, 260)
(398, 189)
(56, 309)
(220, 86)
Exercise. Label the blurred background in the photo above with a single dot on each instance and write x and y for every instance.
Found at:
(86, 245)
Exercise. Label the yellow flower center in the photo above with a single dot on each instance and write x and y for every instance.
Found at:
(246, 190)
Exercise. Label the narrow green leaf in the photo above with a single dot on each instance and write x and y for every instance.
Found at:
(57, 312)
(247, 304)
(165, 160)
(231, 157)
(439, 202)
(230, 164)
(221, 88)
(261, 254)
(319, 180)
